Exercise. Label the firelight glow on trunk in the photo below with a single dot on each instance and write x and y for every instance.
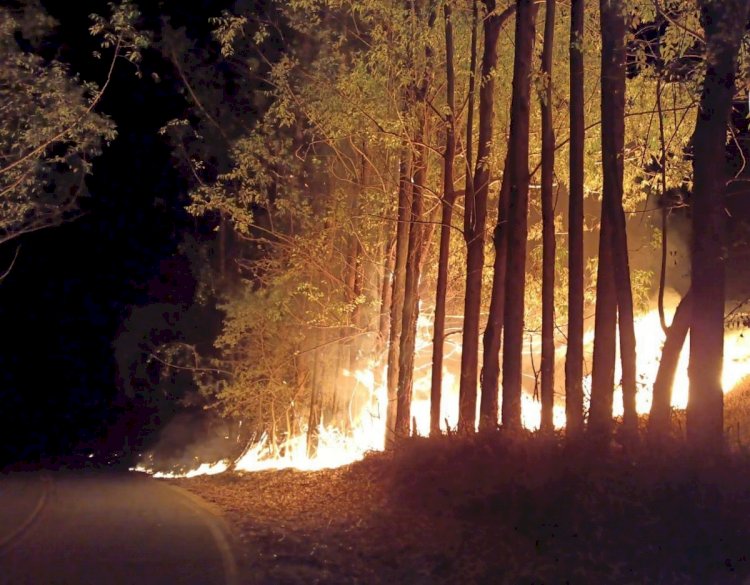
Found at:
(366, 427)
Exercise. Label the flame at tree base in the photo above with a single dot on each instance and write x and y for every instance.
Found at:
(334, 447)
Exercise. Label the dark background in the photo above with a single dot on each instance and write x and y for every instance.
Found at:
(64, 302)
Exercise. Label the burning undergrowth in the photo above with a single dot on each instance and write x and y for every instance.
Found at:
(347, 419)
(192, 443)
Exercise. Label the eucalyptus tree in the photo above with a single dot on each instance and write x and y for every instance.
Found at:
(724, 24)
(475, 217)
(614, 292)
(331, 165)
(548, 224)
(423, 75)
(515, 277)
(447, 202)
(574, 355)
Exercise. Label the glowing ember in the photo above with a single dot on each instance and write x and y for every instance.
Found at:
(202, 469)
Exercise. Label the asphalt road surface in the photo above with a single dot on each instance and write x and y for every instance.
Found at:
(108, 528)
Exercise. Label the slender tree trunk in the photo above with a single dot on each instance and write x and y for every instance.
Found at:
(386, 291)
(474, 227)
(662, 206)
(661, 407)
(574, 355)
(397, 296)
(475, 214)
(469, 146)
(430, 221)
(445, 229)
(474, 231)
(488, 408)
(605, 337)
(613, 152)
(356, 269)
(515, 283)
(411, 296)
(548, 226)
(724, 23)
(417, 239)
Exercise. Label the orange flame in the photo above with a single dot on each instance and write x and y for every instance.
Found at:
(336, 448)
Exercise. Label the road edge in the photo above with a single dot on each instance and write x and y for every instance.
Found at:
(7, 542)
(217, 526)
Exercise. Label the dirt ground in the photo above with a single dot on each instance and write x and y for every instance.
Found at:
(494, 510)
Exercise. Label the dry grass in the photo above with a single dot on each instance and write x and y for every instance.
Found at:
(495, 510)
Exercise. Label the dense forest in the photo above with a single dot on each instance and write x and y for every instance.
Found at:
(421, 217)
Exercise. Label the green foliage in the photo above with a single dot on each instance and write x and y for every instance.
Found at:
(227, 28)
(120, 33)
(311, 183)
(48, 131)
(262, 344)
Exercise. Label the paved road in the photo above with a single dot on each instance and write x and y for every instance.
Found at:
(108, 528)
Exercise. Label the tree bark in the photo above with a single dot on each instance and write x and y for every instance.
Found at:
(386, 291)
(397, 296)
(445, 229)
(605, 337)
(491, 339)
(613, 73)
(475, 217)
(613, 153)
(661, 406)
(724, 23)
(515, 285)
(548, 226)
(488, 407)
(417, 239)
(574, 355)
(411, 296)
(663, 207)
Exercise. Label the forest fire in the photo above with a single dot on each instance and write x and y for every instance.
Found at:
(650, 339)
(365, 427)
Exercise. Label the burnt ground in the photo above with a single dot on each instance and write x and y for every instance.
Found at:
(495, 509)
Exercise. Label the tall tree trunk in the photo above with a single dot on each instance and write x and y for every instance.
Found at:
(469, 146)
(474, 227)
(417, 235)
(662, 206)
(493, 332)
(548, 226)
(445, 229)
(574, 355)
(605, 336)
(724, 23)
(515, 282)
(356, 268)
(613, 30)
(661, 407)
(397, 296)
(386, 291)
(411, 294)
